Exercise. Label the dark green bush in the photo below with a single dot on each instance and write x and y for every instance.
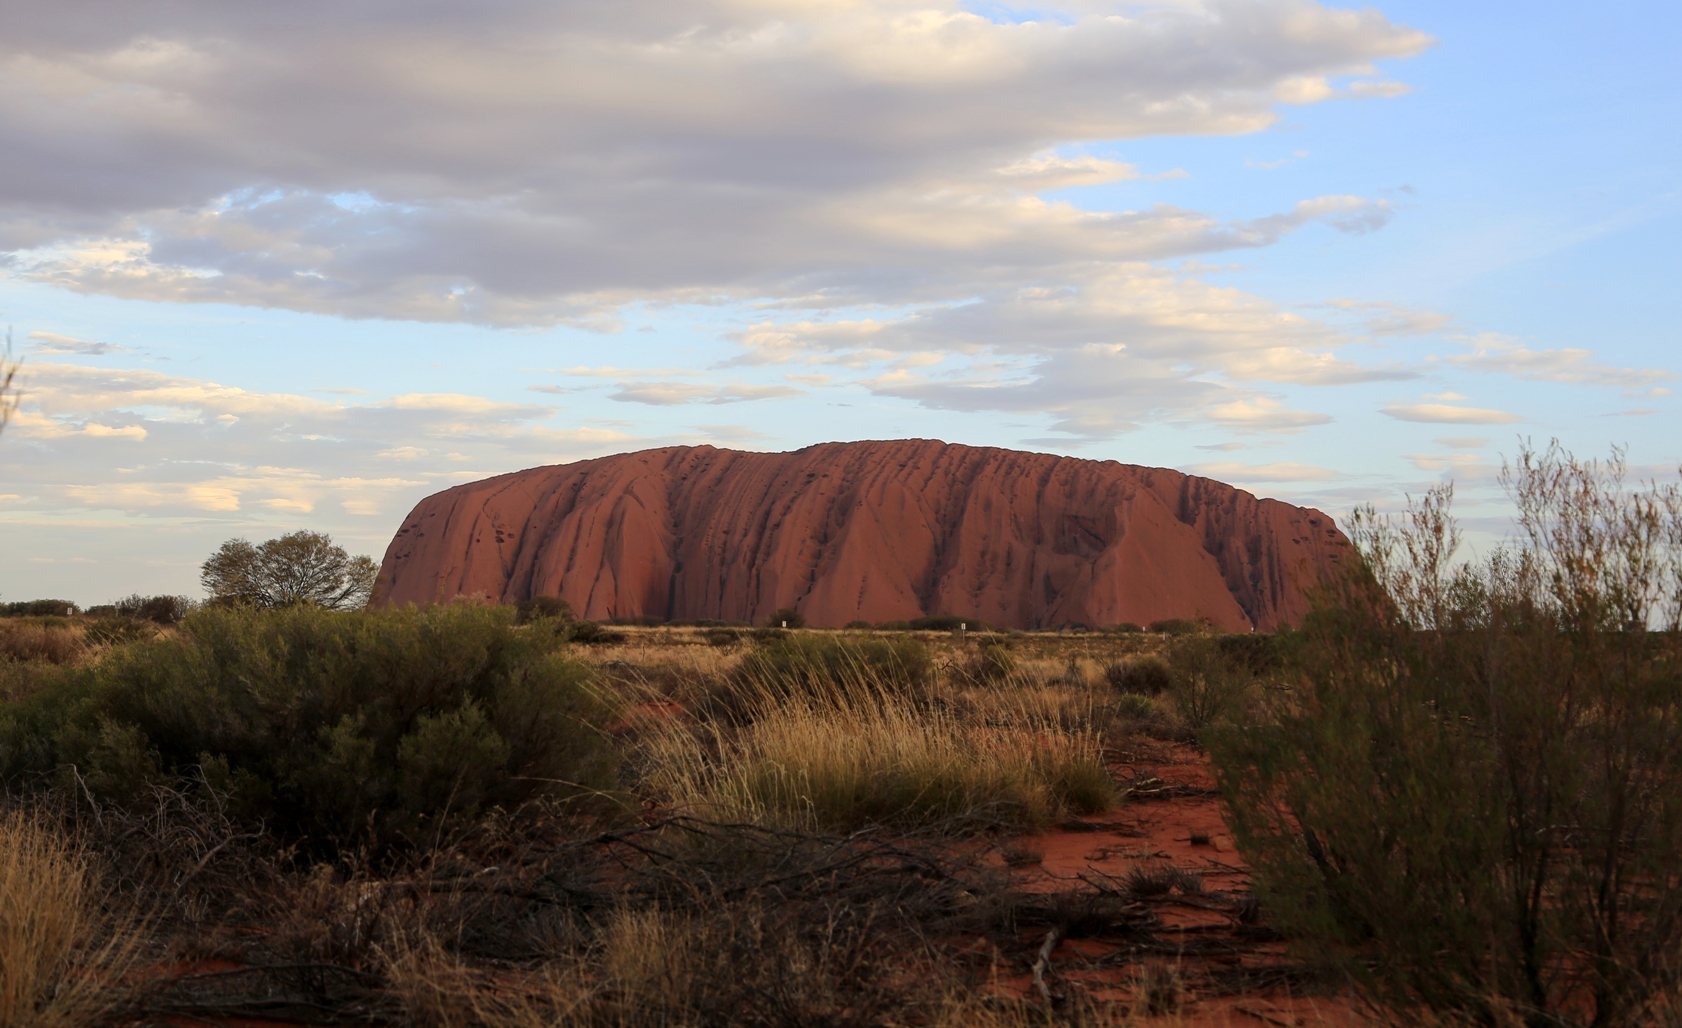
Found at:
(1206, 682)
(1473, 800)
(1256, 651)
(337, 726)
(1142, 676)
(946, 623)
(723, 636)
(1178, 626)
(786, 617)
(37, 608)
(1129, 628)
(858, 626)
(592, 634)
(163, 610)
(538, 607)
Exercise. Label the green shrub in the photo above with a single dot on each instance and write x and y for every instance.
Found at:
(1206, 683)
(858, 626)
(37, 608)
(163, 610)
(592, 634)
(1257, 652)
(328, 724)
(946, 623)
(538, 607)
(723, 636)
(1129, 628)
(1473, 801)
(1179, 626)
(786, 617)
(1143, 676)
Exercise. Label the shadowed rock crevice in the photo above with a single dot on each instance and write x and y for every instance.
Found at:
(872, 531)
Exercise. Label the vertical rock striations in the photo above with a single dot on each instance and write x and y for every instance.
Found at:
(871, 530)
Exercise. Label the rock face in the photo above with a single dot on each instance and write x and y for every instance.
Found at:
(870, 530)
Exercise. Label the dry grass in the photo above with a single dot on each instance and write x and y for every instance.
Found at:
(861, 755)
(53, 641)
(59, 953)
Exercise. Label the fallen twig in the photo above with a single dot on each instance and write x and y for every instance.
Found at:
(1043, 964)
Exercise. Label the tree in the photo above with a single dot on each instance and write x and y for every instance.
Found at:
(300, 568)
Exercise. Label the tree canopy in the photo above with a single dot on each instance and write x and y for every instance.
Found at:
(298, 568)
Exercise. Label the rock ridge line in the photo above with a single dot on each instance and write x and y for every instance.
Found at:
(873, 531)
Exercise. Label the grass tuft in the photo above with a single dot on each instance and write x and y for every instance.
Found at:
(58, 951)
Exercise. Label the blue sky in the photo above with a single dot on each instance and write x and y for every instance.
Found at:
(297, 270)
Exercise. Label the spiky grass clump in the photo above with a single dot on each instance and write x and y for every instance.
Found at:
(58, 951)
(860, 754)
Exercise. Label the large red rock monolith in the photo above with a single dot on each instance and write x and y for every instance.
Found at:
(872, 531)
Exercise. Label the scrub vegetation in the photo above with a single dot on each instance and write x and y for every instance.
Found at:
(1457, 786)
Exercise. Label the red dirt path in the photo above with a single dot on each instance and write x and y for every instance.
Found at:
(1172, 819)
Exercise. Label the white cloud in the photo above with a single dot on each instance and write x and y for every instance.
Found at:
(1380, 318)
(167, 446)
(672, 394)
(52, 342)
(1502, 355)
(1448, 414)
(1461, 465)
(531, 162)
(1280, 471)
(1103, 352)
(874, 176)
(1264, 414)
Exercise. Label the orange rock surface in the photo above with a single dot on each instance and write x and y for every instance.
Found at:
(872, 531)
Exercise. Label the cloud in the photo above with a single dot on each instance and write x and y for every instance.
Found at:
(1447, 414)
(1380, 318)
(1264, 414)
(672, 394)
(1296, 155)
(161, 446)
(1463, 442)
(1500, 355)
(536, 163)
(737, 436)
(609, 372)
(52, 342)
(1281, 471)
(1103, 352)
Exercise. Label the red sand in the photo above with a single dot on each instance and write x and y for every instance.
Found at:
(1184, 829)
(872, 531)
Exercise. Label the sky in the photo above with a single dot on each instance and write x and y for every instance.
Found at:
(280, 267)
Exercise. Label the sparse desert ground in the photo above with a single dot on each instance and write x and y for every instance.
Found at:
(997, 835)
